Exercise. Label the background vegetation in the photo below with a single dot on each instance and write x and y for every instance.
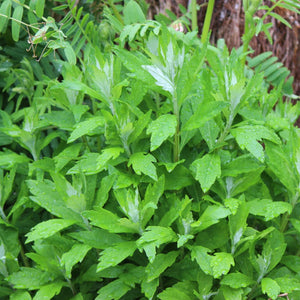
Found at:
(139, 161)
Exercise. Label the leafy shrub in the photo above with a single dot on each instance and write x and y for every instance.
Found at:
(167, 171)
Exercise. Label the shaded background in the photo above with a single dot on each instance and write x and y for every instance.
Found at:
(228, 23)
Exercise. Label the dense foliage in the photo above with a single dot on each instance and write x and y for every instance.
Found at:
(139, 162)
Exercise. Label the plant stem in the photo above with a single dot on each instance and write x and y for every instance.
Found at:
(176, 147)
(286, 217)
(194, 16)
(207, 20)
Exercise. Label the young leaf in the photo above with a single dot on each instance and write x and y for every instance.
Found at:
(211, 215)
(200, 254)
(237, 280)
(205, 112)
(29, 278)
(270, 287)
(160, 129)
(72, 257)
(113, 290)
(142, 163)
(49, 291)
(149, 288)
(65, 156)
(269, 209)
(179, 291)
(107, 220)
(85, 127)
(248, 137)
(46, 229)
(112, 256)
(154, 237)
(160, 264)
(221, 263)
(206, 170)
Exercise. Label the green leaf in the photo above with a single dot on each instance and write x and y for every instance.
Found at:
(292, 262)
(143, 163)
(249, 136)
(69, 52)
(160, 264)
(232, 294)
(152, 196)
(162, 79)
(296, 224)
(15, 25)
(153, 237)
(160, 129)
(238, 224)
(29, 278)
(5, 11)
(113, 290)
(288, 285)
(48, 291)
(72, 257)
(133, 13)
(205, 112)
(221, 263)
(39, 8)
(278, 161)
(206, 170)
(112, 256)
(149, 288)
(200, 254)
(270, 287)
(212, 215)
(179, 291)
(107, 220)
(237, 280)
(242, 164)
(46, 229)
(65, 156)
(96, 238)
(269, 209)
(85, 127)
(103, 192)
(20, 295)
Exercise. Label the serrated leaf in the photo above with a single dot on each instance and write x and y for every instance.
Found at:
(113, 290)
(205, 112)
(210, 216)
(96, 238)
(143, 163)
(278, 161)
(65, 156)
(149, 288)
(46, 229)
(161, 78)
(85, 127)
(200, 254)
(160, 264)
(72, 257)
(237, 280)
(287, 284)
(29, 278)
(107, 220)
(112, 256)
(270, 287)
(160, 129)
(207, 169)
(48, 291)
(179, 291)
(269, 209)
(248, 136)
(153, 237)
(221, 263)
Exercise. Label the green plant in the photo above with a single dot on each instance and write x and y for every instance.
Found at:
(166, 171)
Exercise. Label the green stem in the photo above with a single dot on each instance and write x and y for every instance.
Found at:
(207, 20)
(176, 147)
(117, 14)
(194, 16)
(286, 217)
